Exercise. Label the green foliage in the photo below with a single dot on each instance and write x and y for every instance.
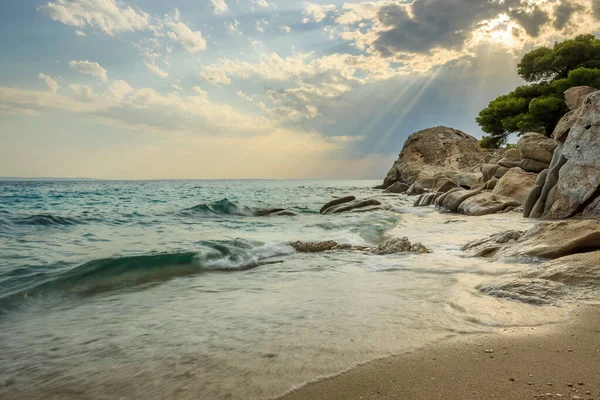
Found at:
(538, 107)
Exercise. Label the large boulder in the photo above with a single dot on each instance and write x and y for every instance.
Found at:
(561, 132)
(545, 240)
(577, 188)
(536, 146)
(486, 203)
(452, 201)
(433, 151)
(337, 202)
(575, 96)
(488, 171)
(516, 183)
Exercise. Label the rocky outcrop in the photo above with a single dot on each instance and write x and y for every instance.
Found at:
(516, 183)
(432, 151)
(337, 202)
(535, 146)
(398, 245)
(545, 240)
(572, 184)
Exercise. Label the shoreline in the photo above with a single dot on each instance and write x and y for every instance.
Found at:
(515, 363)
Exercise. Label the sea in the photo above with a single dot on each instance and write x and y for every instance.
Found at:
(181, 290)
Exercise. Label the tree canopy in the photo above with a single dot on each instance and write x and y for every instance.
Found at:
(539, 106)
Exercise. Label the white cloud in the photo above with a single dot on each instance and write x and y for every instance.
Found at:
(156, 70)
(261, 24)
(82, 93)
(214, 76)
(120, 89)
(261, 3)
(285, 28)
(191, 40)
(109, 16)
(50, 82)
(80, 33)
(233, 27)
(316, 13)
(219, 6)
(89, 68)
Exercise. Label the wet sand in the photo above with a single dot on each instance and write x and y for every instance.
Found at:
(561, 361)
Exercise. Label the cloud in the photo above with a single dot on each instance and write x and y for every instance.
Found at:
(191, 40)
(285, 28)
(80, 33)
(82, 92)
(532, 21)
(120, 89)
(219, 6)
(214, 76)
(89, 68)
(261, 24)
(563, 13)
(316, 13)
(109, 16)
(233, 27)
(50, 82)
(156, 70)
(261, 3)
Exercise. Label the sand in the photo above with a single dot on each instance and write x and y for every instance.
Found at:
(561, 361)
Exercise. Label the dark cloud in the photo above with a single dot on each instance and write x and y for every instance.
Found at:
(596, 8)
(532, 21)
(435, 23)
(563, 13)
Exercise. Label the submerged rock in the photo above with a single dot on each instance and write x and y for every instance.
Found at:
(351, 206)
(399, 245)
(336, 202)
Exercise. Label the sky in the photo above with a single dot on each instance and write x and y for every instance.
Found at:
(269, 89)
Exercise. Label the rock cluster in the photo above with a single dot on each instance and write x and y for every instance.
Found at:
(571, 185)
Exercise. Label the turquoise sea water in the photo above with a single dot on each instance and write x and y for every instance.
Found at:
(179, 289)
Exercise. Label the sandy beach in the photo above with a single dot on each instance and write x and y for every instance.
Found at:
(557, 361)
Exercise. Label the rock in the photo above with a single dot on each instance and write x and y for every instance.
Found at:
(468, 180)
(549, 184)
(314, 247)
(426, 199)
(351, 206)
(275, 211)
(536, 146)
(545, 240)
(398, 188)
(488, 247)
(576, 95)
(488, 171)
(444, 186)
(486, 203)
(534, 194)
(491, 184)
(421, 186)
(431, 151)
(454, 199)
(440, 199)
(500, 172)
(337, 202)
(561, 132)
(516, 184)
(579, 179)
(399, 246)
(530, 165)
(511, 159)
